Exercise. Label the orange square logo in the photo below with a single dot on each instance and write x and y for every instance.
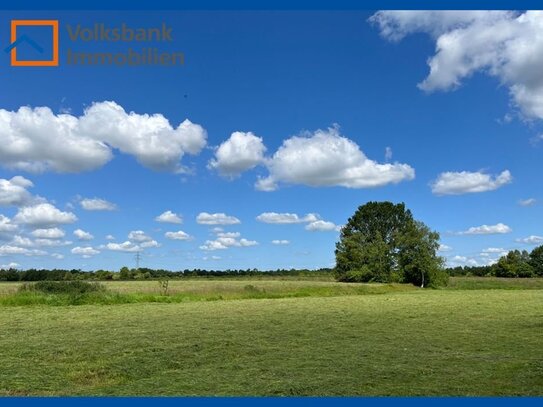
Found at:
(15, 41)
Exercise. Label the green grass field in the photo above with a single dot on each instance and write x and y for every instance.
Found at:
(474, 338)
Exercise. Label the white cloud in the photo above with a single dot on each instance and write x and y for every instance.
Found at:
(321, 226)
(226, 240)
(22, 241)
(280, 242)
(493, 251)
(169, 217)
(110, 237)
(43, 215)
(444, 248)
(6, 226)
(149, 244)
(82, 235)
(325, 159)
(499, 228)
(463, 261)
(149, 138)
(51, 242)
(13, 192)
(97, 204)
(498, 250)
(57, 256)
(11, 265)
(41, 242)
(85, 251)
(503, 44)
(531, 240)
(457, 183)
(7, 249)
(123, 247)
(228, 234)
(139, 236)
(53, 233)
(205, 218)
(247, 243)
(241, 152)
(286, 218)
(179, 235)
(37, 140)
(527, 202)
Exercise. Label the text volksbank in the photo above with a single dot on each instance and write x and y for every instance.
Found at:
(146, 55)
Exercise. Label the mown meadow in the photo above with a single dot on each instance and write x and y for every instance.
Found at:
(478, 336)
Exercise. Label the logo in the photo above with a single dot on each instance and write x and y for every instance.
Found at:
(24, 39)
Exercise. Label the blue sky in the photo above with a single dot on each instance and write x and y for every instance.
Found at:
(314, 99)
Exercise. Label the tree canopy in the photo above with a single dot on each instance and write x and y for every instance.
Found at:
(382, 242)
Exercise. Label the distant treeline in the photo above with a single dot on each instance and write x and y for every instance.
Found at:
(516, 263)
(148, 274)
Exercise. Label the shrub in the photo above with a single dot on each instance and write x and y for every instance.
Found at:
(76, 287)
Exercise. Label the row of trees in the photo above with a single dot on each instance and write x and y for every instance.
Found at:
(516, 263)
(146, 274)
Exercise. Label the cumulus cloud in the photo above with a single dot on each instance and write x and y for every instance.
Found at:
(110, 237)
(499, 228)
(41, 242)
(149, 138)
(82, 235)
(13, 192)
(123, 247)
(38, 140)
(325, 159)
(43, 215)
(11, 265)
(280, 242)
(503, 44)
(241, 152)
(6, 226)
(97, 204)
(53, 233)
(149, 244)
(527, 202)
(444, 248)
(85, 251)
(496, 251)
(321, 226)
(286, 218)
(179, 235)
(169, 217)
(205, 218)
(224, 241)
(531, 240)
(139, 236)
(457, 183)
(8, 249)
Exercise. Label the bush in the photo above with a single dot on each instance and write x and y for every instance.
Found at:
(76, 287)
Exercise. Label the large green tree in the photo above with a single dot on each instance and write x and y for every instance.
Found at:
(382, 242)
(536, 260)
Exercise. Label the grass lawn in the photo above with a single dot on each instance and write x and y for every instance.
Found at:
(411, 342)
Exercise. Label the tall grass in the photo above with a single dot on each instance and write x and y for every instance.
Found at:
(62, 294)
